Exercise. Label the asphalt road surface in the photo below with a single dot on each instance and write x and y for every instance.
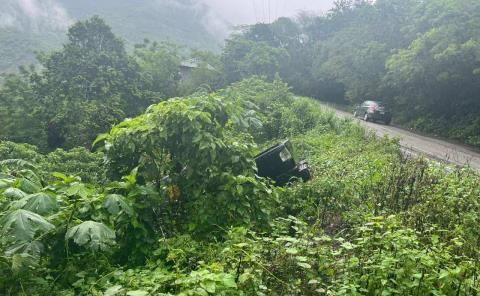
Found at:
(417, 144)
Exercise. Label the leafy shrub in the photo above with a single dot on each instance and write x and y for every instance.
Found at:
(266, 100)
(378, 257)
(34, 220)
(78, 161)
(10, 150)
(281, 114)
(181, 211)
(217, 189)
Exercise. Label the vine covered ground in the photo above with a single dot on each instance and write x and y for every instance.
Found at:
(170, 204)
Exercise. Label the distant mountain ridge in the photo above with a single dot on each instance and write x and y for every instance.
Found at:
(29, 26)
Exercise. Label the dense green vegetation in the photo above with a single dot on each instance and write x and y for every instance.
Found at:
(178, 209)
(91, 84)
(118, 176)
(420, 57)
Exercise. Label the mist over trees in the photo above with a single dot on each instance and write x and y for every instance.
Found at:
(421, 57)
(30, 26)
(91, 84)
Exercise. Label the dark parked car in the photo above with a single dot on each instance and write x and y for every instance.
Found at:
(278, 164)
(373, 111)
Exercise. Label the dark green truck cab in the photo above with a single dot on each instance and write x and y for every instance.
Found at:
(278, 163)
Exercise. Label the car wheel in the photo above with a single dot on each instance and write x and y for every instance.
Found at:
(366, 117)
(355, 114)
(388, 121)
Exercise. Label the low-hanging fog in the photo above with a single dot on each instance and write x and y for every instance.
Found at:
(28, 26)
(253, 11)
(50, 14)
(34, 15)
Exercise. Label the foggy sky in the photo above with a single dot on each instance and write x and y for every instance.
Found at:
(37, 15)
(252, 11)
(33, 15)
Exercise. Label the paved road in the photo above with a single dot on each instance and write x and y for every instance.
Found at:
(418, 144)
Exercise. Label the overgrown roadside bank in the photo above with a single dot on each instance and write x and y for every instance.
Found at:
(177, 209)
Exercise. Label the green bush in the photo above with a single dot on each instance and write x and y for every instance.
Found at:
(266, 101)
(181, 211)
(10, 150)
(78, 161)
(195, 155)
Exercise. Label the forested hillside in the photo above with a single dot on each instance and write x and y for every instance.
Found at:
(170, 204)
(420, 57)
(28, 27)
(123, 174)
(93, 83)
(186, 22)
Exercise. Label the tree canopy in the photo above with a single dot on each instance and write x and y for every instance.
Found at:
(91, 84)
(421, 57)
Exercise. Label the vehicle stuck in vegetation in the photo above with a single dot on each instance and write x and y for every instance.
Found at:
(278, 163)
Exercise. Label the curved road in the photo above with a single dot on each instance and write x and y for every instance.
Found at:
(417, 144)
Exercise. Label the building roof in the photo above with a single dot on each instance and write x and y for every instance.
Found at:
(194, 63)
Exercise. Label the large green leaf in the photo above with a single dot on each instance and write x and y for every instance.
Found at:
(14, 193)
(32, 176)
(40, 203)
(115, 290)
(32, 248)
(5, 183)
(65, 178)
(23, 224)
(77, 189)
(116, 203)
(94, 235)
(29, 186)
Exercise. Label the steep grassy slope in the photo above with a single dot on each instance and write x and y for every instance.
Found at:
(371, 222)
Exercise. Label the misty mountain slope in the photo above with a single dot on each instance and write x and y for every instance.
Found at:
(29, 26)
(183, 21)
(15, 51)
